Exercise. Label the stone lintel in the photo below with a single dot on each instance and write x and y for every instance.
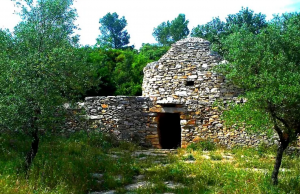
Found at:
(168, 110)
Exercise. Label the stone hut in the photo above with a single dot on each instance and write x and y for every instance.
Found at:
(177, 106)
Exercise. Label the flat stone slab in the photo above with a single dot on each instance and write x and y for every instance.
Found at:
(139, 185)
(165, 151)
(97, 176)
(142, 158)
(285, 170)
(118, 177)
(147, 153)
(256, 170)
(227, 157)
(189, 161)
(139, 177)
(173, 185)
(104, 192)
(113, 156)
(206, 157)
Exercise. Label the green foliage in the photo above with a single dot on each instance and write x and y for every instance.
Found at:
(216, 29)
(153, 51)
(212, 31)
(257, 121)
(113, 34)
(41, 69)
(121, 71)
(266, 66)
(169, 32)
(42, 65)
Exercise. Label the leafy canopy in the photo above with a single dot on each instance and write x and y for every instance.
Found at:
(121, 70)
(41, 67)
(216, 29)
(266, 66)
(169, 32)
(113, 34)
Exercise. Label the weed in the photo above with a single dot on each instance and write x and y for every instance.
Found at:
(189, 157)
(205, 145)
(216, 156)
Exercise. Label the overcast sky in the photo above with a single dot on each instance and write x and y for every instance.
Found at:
(143, 15)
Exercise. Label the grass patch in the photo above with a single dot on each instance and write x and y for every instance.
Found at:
(65, 165)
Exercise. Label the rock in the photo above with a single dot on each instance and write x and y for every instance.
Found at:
(97, 176)
(173, 185)
(112, 156)
(118, 177)
(139, 185)
(139, 177)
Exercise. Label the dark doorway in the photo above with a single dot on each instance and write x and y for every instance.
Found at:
(169, 130)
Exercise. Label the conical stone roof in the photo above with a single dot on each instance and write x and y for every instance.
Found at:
(186, 50)
(179, 73)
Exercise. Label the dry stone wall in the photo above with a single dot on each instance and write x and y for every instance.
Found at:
(127, 118)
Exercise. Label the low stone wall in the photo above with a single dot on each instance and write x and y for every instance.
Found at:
(136, 119)
(128, 118)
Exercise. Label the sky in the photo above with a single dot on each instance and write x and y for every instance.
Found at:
(144, 15)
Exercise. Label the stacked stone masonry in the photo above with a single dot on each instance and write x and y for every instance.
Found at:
(182, 83)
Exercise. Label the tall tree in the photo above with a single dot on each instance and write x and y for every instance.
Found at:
(212, 31)
(113, 34)
(216, 29)
(169, 32)
(267, 66)
(41, 69)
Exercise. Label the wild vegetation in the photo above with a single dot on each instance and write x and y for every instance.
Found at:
(43, 66)
(67, 164)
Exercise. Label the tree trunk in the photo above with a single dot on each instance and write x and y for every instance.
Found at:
(281, 148)
(34, 146)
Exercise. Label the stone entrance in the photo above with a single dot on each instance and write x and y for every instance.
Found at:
(169, 130)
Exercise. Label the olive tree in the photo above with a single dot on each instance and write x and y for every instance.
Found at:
(267, 66)
(41, 69)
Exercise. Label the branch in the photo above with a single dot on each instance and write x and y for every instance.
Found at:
(277, 129)
(282, 120)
